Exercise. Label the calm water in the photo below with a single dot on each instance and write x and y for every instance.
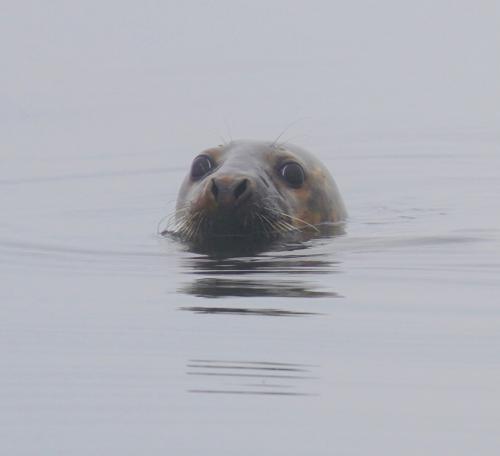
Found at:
(116, 341)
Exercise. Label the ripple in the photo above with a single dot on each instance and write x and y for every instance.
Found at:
(231, 377)
(220, 287)
(317, 263)
(40, 248)
(59, 257)
(230, 277)
(246, 311)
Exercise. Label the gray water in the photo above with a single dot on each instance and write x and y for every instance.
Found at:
(114, 340)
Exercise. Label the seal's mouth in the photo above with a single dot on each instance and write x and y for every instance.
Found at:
(251, 225)
(231, 225)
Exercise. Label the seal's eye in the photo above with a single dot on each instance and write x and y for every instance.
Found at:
(202, 164)
(293, 174)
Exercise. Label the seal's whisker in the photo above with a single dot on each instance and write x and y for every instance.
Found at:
(290, 125)
(272, 225)
(279, 226)
(287, 227)
(158, 229)
(192, 226)
(298, 220)
(263, 222)
(181, 225)
(228, 130)
(201, 221)
(170, 224)
(174, 220)
(276, 225)
(287, 142)
(183, 222)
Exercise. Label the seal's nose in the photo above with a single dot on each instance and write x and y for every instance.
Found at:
(229, 191)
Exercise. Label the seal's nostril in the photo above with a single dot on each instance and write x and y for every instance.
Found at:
(214, 189)
(240, 188)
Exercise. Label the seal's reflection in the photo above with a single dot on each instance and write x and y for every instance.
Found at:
(259, 276)
(211, 287)
(249, 377)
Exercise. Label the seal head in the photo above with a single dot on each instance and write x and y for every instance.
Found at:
(255, 191)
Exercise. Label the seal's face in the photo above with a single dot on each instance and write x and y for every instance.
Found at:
(255, 191)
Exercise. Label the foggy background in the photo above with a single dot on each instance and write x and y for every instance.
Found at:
(138, 76)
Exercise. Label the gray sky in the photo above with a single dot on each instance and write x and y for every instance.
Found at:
(138, 75)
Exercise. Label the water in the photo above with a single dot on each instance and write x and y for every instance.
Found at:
(114, 340)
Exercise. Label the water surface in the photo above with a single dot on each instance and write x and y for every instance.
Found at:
(114, 340)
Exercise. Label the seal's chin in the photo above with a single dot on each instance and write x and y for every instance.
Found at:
(245, 227)
(237, 226)
(237, 235)
(231, 226)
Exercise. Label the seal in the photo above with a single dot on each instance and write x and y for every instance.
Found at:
(256, 191)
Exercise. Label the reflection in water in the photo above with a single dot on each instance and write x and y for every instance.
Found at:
(244, 311)
(314, 263)
(232, 377)
(229, 278)
(216, 288)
